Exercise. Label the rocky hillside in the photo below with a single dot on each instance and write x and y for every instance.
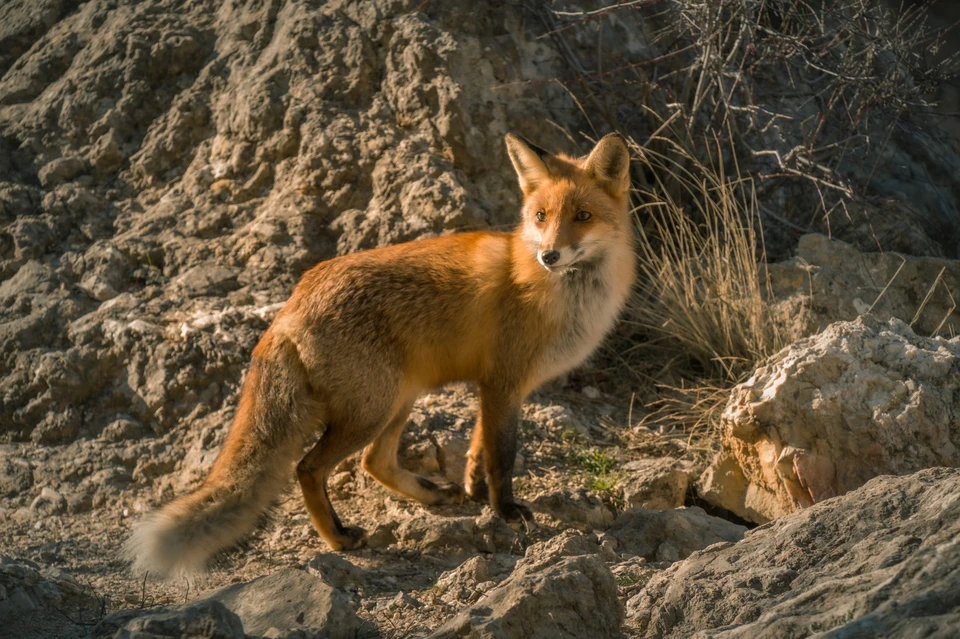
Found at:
(169, 168)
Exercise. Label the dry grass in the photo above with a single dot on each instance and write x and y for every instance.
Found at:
(701, 299)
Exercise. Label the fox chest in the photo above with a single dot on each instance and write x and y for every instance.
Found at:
(590, 311)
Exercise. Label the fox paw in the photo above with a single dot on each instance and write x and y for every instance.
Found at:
(442, 493)
(350, 538)
(511, 511)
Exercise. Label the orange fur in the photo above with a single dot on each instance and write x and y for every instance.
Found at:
(364, 334)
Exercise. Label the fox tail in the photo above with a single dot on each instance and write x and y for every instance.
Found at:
(274, 421)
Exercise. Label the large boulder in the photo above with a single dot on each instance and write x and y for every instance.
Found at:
(882, 561)
(832, 411)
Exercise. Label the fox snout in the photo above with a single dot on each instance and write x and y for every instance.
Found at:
(555, 258)
(549, 258)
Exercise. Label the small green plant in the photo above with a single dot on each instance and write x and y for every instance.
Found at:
(602, 476)
(596, 461)
(632, 579)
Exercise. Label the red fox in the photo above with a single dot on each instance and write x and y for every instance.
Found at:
(364, 334)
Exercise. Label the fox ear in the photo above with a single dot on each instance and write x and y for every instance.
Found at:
(529, 162)
(609, 163)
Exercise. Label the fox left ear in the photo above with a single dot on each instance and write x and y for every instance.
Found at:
(529, 161)
(609, 163)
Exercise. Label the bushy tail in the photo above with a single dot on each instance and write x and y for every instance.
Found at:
(275, 419)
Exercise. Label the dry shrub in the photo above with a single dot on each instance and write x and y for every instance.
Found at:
(804, 98)
(700, 299)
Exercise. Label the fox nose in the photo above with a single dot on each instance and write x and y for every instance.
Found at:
(550, 257)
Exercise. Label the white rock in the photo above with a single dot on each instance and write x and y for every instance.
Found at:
(830, 412)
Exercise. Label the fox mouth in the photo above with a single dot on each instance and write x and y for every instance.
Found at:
(561, 268)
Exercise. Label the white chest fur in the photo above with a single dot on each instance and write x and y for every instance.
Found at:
(593, 298)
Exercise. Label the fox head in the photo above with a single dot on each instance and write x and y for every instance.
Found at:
(574, 209)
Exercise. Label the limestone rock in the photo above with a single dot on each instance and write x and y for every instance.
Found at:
(207, 619)
(832, 411)
(656, 483)
(829, 281)
(291, 600)
(470, 580)
(575, 507)
(61, 170)
(27, 588)
(16, 476)
(670, 535)
(290, 603)
(452, 536)
(881, 561)
(559, 589)
(336, 571)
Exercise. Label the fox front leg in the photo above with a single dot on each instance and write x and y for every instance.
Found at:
(493, 451)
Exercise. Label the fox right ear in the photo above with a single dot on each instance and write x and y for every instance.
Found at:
(528, 161)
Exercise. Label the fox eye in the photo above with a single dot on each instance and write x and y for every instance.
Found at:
(583, 216)
(541, 216)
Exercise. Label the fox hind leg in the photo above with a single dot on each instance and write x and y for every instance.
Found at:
(336, 444)
(380, 460)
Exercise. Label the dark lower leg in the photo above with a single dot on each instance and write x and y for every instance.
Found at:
(499, 434)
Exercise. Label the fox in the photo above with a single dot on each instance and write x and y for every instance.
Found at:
(364, 334)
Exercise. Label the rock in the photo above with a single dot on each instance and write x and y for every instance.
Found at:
(207, 619)
(27, 589)
(669, 535)
(123, 428)
(292, 600)
(560, 418)
(832, 411)
(207, 279)
(470, 580)
(336, 571)
(561, 588)
(62, 170)
(881, 561)
(48, 502)
(16, 476)
(403, 601)
(575, 507)
(656, 483)
(57, 427)
(632, 575)
(451, 453)
(829, 281)
(455, 537)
